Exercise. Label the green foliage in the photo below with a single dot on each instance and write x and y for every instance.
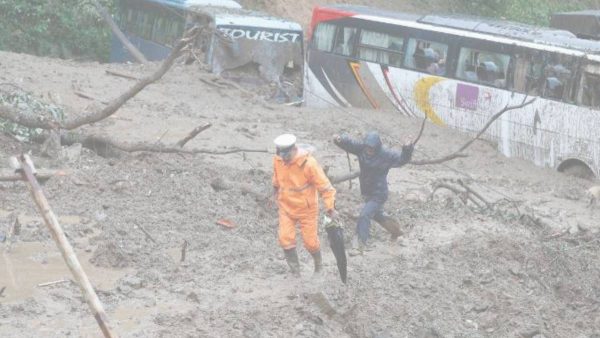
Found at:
(535, 12)
(59, 28)
(27, 104)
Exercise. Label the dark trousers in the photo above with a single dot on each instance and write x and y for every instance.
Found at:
(373, 209)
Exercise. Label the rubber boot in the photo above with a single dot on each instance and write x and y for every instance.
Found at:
(392, 226)
(318, 261)
(292, 259)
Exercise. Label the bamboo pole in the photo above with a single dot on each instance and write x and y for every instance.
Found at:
(27, 170)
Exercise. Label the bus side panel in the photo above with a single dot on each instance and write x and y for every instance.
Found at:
(332, 74)
(337, 80)
(545, 132)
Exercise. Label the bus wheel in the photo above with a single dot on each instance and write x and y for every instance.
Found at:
(576, 168)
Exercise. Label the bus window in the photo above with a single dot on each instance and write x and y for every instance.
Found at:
(544, 74)
(139, 22)
(557, 81)
(323, 37)
(426, 56)
(344, 41)
(591, 90)
(483, 67)
(167, 29)
(381, 48)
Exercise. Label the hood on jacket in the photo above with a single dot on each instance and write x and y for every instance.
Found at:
(373, 140)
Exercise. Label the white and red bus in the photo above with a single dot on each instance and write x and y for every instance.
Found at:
(458, 71)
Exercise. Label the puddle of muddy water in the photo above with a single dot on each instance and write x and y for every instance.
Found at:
(29, 264)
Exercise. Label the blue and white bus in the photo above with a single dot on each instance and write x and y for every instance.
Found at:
(153, 26)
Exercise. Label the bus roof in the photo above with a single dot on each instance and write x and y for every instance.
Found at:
(244, 17)
(474, 26)
(256, 19)
(189, 3)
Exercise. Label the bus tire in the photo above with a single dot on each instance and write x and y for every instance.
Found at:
(576, 168)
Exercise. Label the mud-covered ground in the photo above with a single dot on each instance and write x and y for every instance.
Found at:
(456, 272)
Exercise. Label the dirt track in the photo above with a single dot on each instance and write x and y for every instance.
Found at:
(457, 272)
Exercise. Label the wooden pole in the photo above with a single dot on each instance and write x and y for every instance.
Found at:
(115, 29)
(27, 169)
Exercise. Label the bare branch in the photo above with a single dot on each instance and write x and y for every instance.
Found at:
(438, 160)
(97, 141)
(193, 134)
(420, 131)
(115, 104)
(123, 75)
(13, 115)
(462, 193)
(89, 97)
(344, 178)
(458, 153)
(41, 174)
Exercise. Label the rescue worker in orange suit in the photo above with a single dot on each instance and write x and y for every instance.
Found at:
(297, 178)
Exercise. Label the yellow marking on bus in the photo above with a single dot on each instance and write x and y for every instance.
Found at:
(421, 91)
(355, 66)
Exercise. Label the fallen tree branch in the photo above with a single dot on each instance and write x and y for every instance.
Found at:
(458, 153)
(115, 104)
(96, 142)
(438, 160)
(193, 134)
(53, 283)
(123, 75)
(41, 175)
(420, 131)
(115, 29)
(465, 193)
(146, 233)
(344, 178)
(474, 193)
(89, 97)
(13, 115)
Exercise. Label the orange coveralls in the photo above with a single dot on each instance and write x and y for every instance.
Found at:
(297, 184)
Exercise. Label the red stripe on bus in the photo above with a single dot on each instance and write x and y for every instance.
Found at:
(386, 75)
(321, 14)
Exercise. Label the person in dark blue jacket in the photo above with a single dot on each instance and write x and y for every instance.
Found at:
(375, 163)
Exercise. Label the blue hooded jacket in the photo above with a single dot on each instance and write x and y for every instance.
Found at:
(374, 169)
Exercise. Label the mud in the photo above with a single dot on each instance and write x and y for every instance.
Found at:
(456, 272)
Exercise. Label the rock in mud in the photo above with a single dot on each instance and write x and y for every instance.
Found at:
(109, 256)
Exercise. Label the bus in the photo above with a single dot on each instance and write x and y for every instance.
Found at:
(153, 26)
(230, 37)
(458, 71)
